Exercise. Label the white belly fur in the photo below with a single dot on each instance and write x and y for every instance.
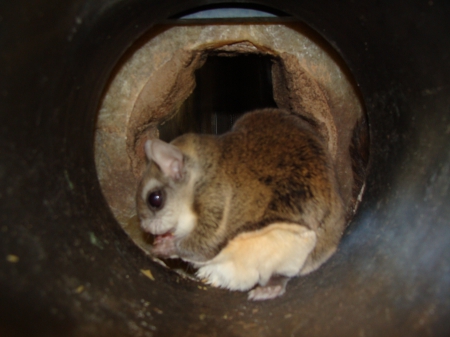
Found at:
(253, 257)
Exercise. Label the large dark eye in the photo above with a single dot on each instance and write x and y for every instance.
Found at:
(155, 200)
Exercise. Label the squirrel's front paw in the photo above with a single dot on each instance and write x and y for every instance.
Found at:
(226, 275)
(164, 246)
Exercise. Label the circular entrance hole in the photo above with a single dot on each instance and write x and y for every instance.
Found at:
(201, 78)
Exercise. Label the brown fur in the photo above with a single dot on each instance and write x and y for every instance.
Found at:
(271, 167)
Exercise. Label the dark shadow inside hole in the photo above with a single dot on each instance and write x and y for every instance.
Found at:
(226, 88)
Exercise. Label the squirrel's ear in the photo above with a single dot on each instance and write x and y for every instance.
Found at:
(168, 157)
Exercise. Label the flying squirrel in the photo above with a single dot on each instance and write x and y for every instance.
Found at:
(250, 208)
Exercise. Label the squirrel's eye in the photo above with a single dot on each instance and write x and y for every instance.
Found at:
(155, 200)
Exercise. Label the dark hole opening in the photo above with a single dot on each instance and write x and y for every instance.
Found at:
(226, 88)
